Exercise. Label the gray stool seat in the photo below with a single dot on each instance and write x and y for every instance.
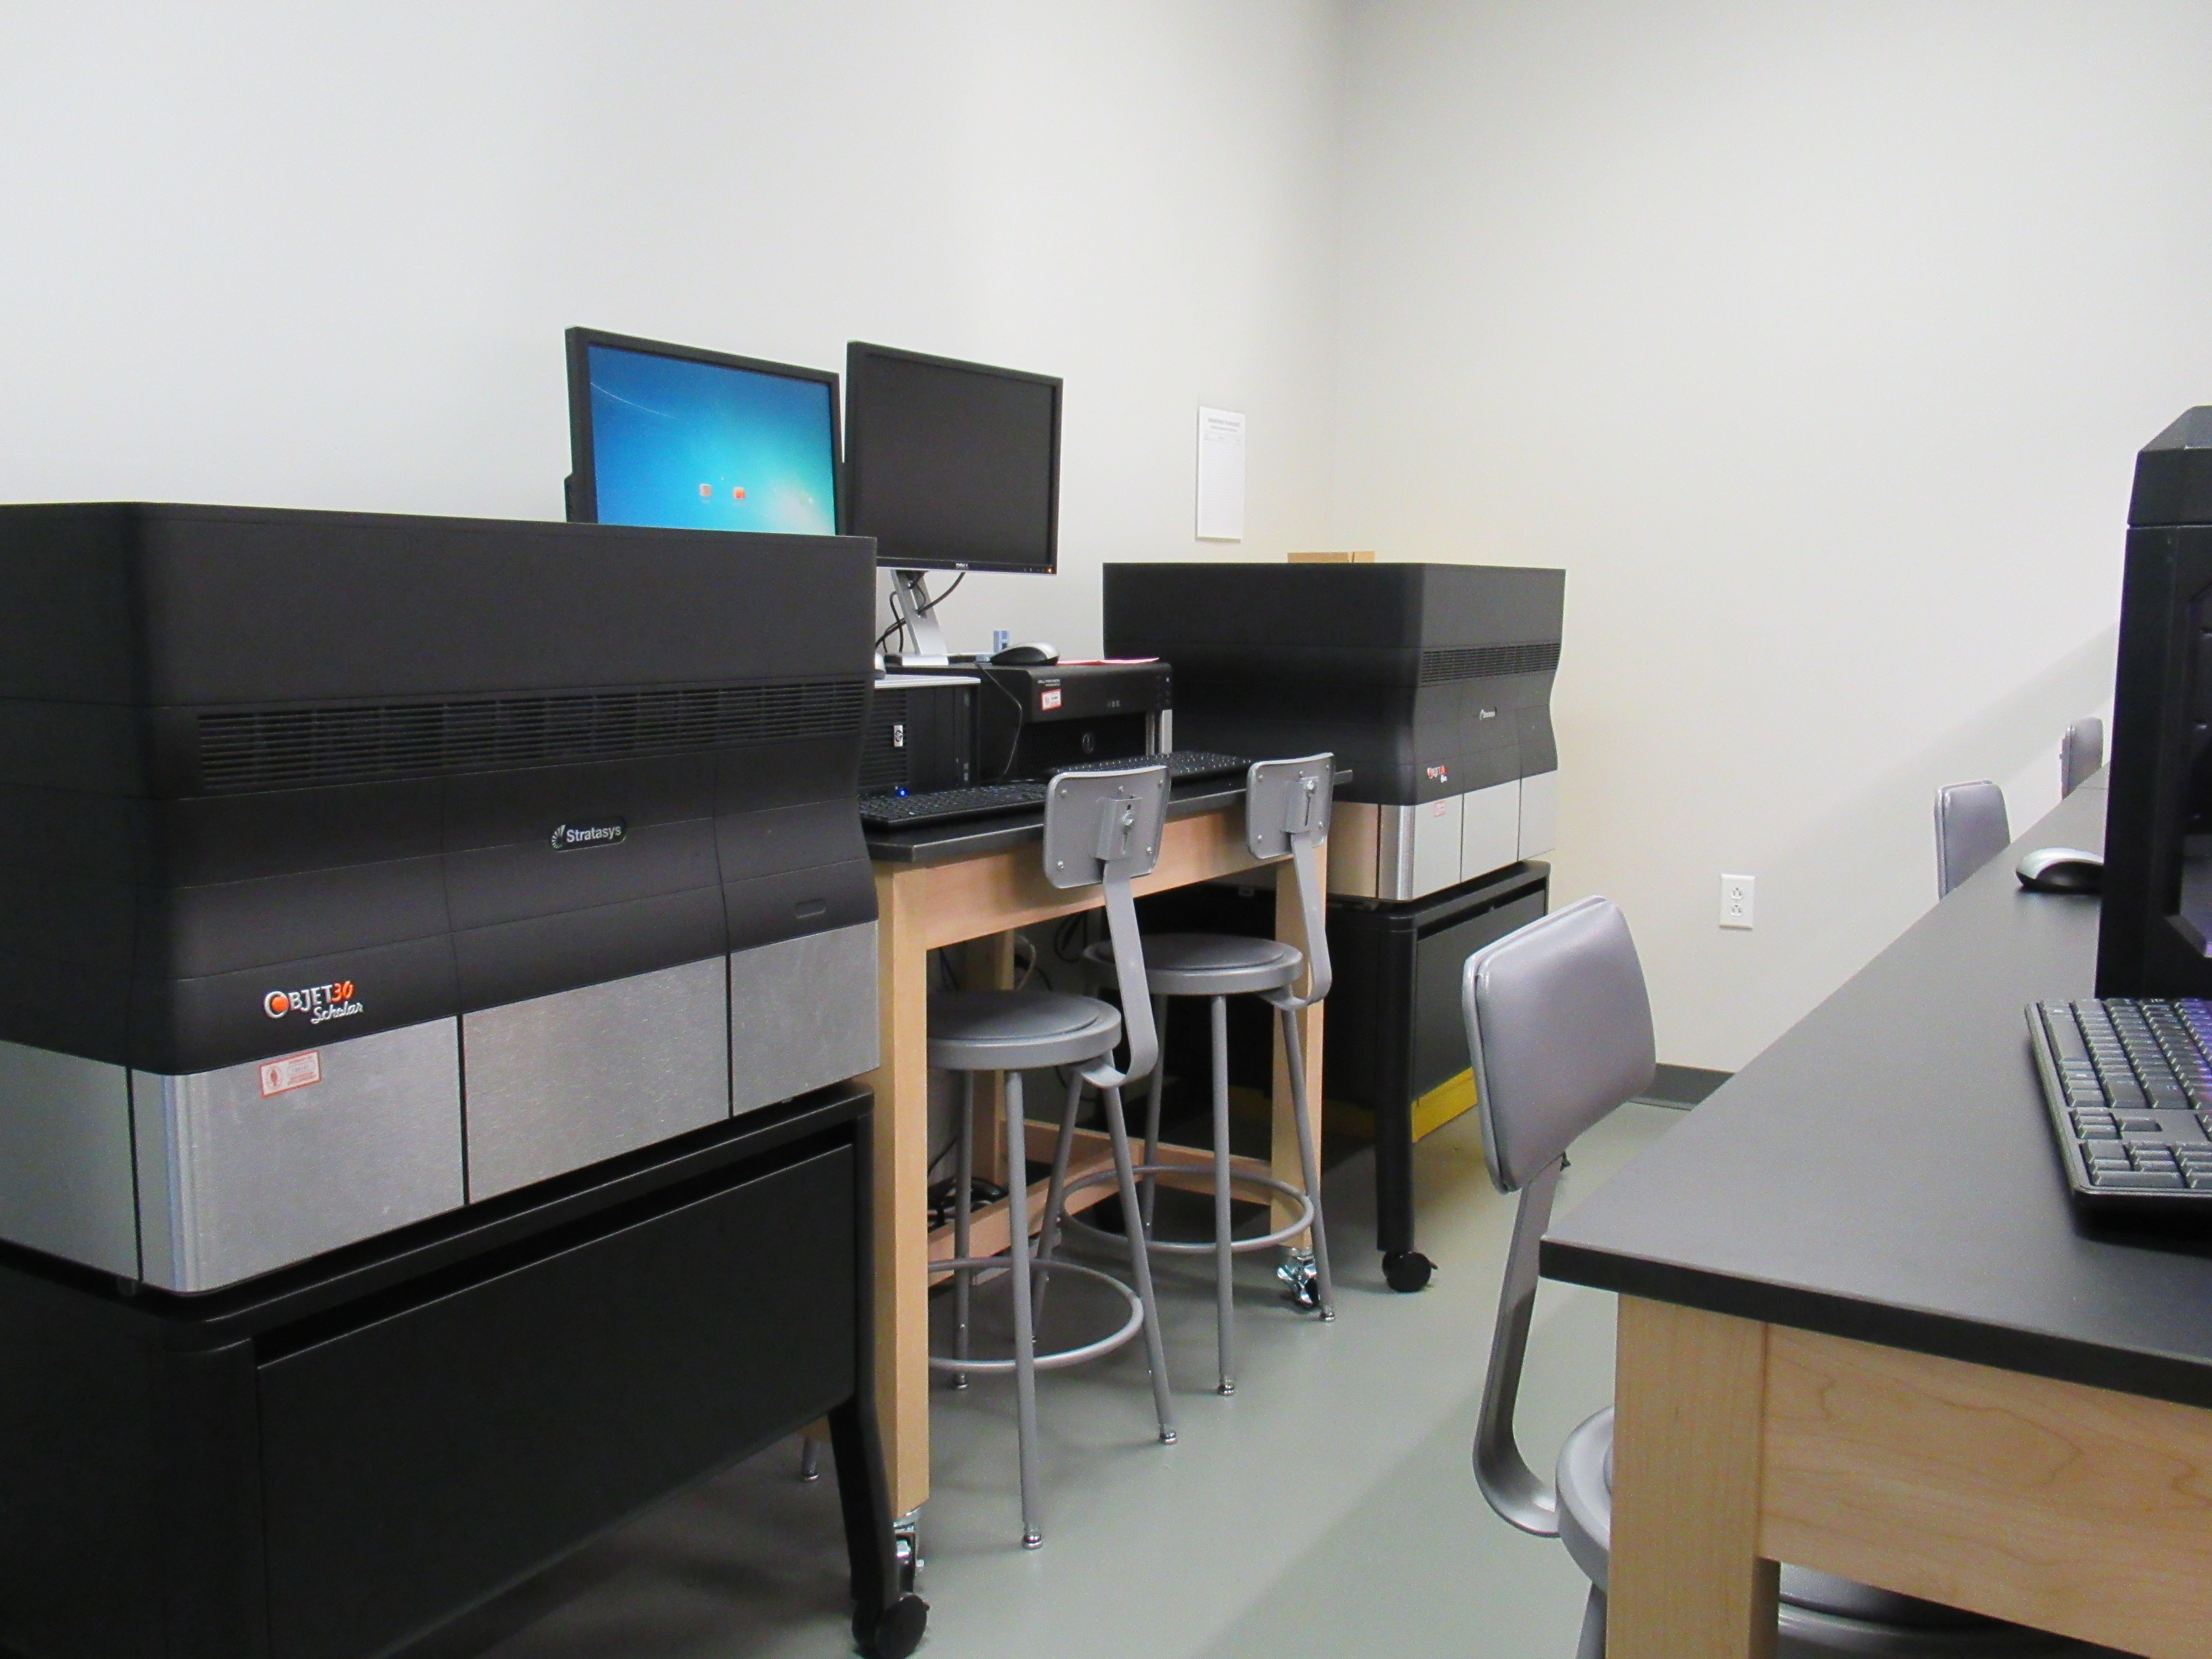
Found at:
(1018, 1031)
(1210, 964)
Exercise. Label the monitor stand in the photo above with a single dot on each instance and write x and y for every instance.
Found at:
(912, 605)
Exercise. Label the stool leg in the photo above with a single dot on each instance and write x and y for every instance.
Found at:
(1056, 1195)
(1152, 1107)
(1017, 1217)
(1224, 1257)
(964, 1197)
(1140, 1265)
(1309, 1160)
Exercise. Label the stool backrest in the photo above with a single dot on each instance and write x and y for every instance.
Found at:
(1286, 807)
(1560, 1027)
(2080, 752)
(1971, 829)
(1104, 830)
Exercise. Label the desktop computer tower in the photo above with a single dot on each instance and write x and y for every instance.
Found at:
(921, 735)
(367, 867)
(1431, 682)
(2154, 936)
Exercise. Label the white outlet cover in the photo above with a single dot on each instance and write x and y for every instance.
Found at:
(1738, 893)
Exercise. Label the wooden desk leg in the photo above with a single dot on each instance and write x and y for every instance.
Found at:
(1689, 1397)
(901, 1174)
(1283, 1146)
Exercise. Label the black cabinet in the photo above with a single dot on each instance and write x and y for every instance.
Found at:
(326, 1463)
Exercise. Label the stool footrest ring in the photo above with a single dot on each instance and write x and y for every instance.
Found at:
(1060, 1357)
(1177, 1247)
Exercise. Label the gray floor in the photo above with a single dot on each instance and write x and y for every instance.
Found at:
(1326, 1509)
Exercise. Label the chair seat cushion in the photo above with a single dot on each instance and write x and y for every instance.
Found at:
(1003, 1030)
(1583, 1479)
(1210, 964)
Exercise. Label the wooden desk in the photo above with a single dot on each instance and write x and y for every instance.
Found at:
(1861, 1330)
(973, 884)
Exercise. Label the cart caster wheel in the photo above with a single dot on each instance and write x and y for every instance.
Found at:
(1408, 1271)
(906, 1549)
(896, 1631)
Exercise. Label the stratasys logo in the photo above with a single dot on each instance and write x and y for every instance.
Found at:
(604, 832)
(317, 1002)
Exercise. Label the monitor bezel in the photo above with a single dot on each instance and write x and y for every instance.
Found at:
(852, 472)
(583, 492)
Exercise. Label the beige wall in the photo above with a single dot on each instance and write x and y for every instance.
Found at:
(322, 256)
(1814, 341)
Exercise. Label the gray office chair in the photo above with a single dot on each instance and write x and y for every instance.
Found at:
(1101, 829)
(2080, 752)
(1559, 1029)
(1286, 807)
(1971, 829)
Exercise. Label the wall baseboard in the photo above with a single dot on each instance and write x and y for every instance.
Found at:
(1682, 1086)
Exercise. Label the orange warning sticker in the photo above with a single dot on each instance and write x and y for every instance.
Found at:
(293, 1072)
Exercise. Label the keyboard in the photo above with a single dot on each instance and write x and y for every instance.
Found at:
(2129, 1083)
(986, 800)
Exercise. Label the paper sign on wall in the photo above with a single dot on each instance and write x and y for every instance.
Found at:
(1220, 475)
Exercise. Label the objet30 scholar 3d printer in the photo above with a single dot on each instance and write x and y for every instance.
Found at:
(360, 868)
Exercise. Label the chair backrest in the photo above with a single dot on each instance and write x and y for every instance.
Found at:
(1104, 830)
(1286, 808)
(1971, 829)
(1559, 1030)
(2080, 752)
(1559, 1025)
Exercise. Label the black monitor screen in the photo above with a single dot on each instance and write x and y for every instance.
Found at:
(950, 465)
(691, 440)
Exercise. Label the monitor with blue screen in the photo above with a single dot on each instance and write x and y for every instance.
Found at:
(691, 440)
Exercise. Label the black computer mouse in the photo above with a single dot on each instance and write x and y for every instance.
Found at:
(1026, 656)
(2061, 870)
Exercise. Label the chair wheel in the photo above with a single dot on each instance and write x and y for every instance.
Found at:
(897, 1630)
(1408, 1271)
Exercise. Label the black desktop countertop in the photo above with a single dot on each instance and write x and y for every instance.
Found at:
(1886, 1170)
(939, 843)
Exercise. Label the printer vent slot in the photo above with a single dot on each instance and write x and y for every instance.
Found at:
(1483, 662)
(252, 749)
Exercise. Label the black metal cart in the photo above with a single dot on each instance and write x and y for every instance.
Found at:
(1393, 1035)
(323, 1463)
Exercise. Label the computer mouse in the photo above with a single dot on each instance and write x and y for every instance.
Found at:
(1026, 656)
(2061, 870)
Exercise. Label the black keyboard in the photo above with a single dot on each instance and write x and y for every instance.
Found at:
(2129, 1083)
(982, 800)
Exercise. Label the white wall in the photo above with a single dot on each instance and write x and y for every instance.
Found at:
(322, 256)
(1815, 342)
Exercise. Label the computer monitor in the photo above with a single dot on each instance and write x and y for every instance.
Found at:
(2155, 934)
(952, 465)
(690, 440)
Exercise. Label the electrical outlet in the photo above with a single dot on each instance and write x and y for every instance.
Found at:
(1736, 894)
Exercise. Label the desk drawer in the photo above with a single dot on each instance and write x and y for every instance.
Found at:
(421, 1460)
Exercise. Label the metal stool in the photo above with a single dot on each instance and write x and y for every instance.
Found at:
(1286, 815)
(1101, 829)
